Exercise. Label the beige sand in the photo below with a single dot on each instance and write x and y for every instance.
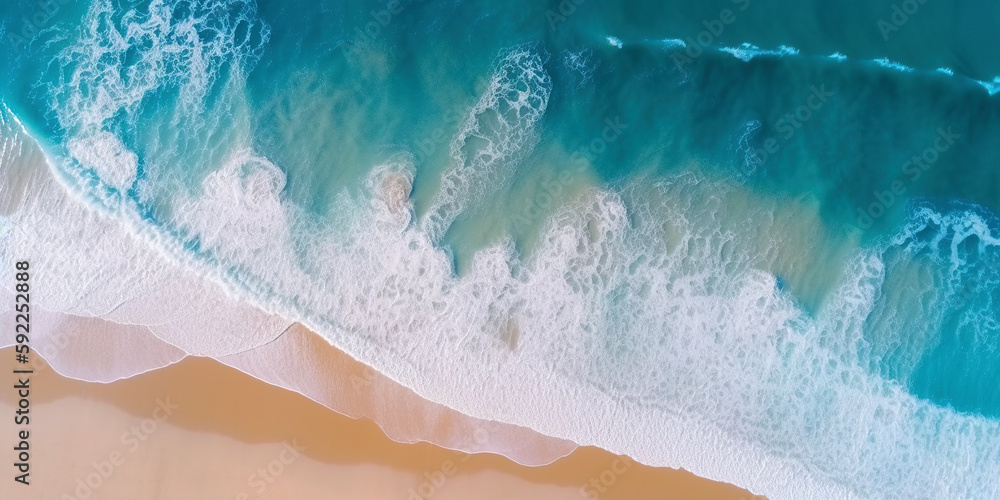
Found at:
(225, 435)
(302, 361)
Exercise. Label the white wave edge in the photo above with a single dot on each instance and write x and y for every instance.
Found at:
(748, 51)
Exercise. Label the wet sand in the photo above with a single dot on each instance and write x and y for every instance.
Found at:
(202, 430)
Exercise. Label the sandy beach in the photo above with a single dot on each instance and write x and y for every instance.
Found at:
(199, 429)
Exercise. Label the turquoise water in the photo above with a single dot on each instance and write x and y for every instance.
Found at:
(802, 141)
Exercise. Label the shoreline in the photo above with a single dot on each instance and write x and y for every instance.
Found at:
(219, 425)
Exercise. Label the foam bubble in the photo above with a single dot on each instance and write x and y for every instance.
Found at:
(391, 185)
(887, 63)
(497, 132)
(105, 153)
(673, 43)
(991, 86)
(239, 210)
(746, 51)
(582, 63)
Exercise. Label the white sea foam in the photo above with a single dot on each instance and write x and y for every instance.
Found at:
(673, 43)
(949, 260)
(120, 60)
(887, 63)
(582, 63)
(952, 229)
(747, 51)
(95, 267)
(124, 58)
(614, 41)
(992, 86)
(497, 132)
(743, 145)
(105, 154)
(239, 212)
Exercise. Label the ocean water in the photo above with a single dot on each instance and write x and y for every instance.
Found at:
(639, 225)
